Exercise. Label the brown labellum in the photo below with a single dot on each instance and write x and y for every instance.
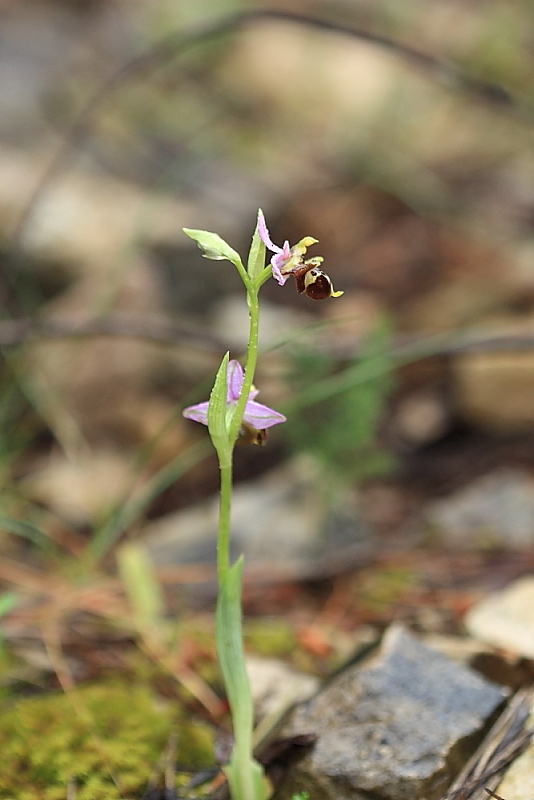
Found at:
(248, 435)
(317, 284)
(311, 279)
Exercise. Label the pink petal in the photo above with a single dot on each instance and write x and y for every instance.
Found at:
(260, 417)
(234, 381)
(276, 271)
(198, 413)
(263, 233)
(278, 261)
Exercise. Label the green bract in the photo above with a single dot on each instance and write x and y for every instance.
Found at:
(256, 257)
(213, 246)
(218, 422)
(217, 249)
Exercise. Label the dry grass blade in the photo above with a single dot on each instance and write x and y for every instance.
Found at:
(504, 742)
(493, 794)
(166, 768)
(187, 677)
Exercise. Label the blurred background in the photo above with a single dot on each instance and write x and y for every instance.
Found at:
(400, 134)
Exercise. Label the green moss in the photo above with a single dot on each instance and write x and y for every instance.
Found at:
(106, 743)
(381, 588)
(269, 637)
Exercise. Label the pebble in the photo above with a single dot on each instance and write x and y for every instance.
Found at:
(495, 510)
(506, 619)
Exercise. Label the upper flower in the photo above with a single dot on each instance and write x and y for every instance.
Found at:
(290, 261)
(256, 416)
(286, 259)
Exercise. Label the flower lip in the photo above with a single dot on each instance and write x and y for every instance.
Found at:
(256, 415)
(318, 285)
(248, 435)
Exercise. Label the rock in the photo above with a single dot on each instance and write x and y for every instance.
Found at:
(496, 389)
(397, 726)
(505, 619)
(421, 417)
(276, 686)
(83, 219)
(497, 666)
(280, 522)
(79, 490)
(497, 509)
(461, 649)
(456, 301)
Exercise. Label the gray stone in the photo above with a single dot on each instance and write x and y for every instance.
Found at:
(495, 390)
(283, 521)
(496, 510)
(460, 649)
(498, 666)
(397, 726)
(276, 686)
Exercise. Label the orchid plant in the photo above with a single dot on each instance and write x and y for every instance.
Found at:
(232, 413)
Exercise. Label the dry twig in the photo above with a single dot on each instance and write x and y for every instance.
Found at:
(504, 742)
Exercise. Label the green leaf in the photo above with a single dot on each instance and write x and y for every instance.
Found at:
(256, 257)
(27, 530)
(244, 774)
(229, 644)
(213, 246)
(8, 600)
(245, 778)
(217, 417)
(142, 589)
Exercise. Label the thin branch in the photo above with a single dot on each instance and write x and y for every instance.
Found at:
(178, 43)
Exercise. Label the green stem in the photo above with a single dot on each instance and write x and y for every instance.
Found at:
(250, 364)
(225, 468)
(244, 774)
(223, 534)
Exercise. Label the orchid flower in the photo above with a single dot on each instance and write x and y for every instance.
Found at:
(288, 261)
(256, 417)
(285, 258)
